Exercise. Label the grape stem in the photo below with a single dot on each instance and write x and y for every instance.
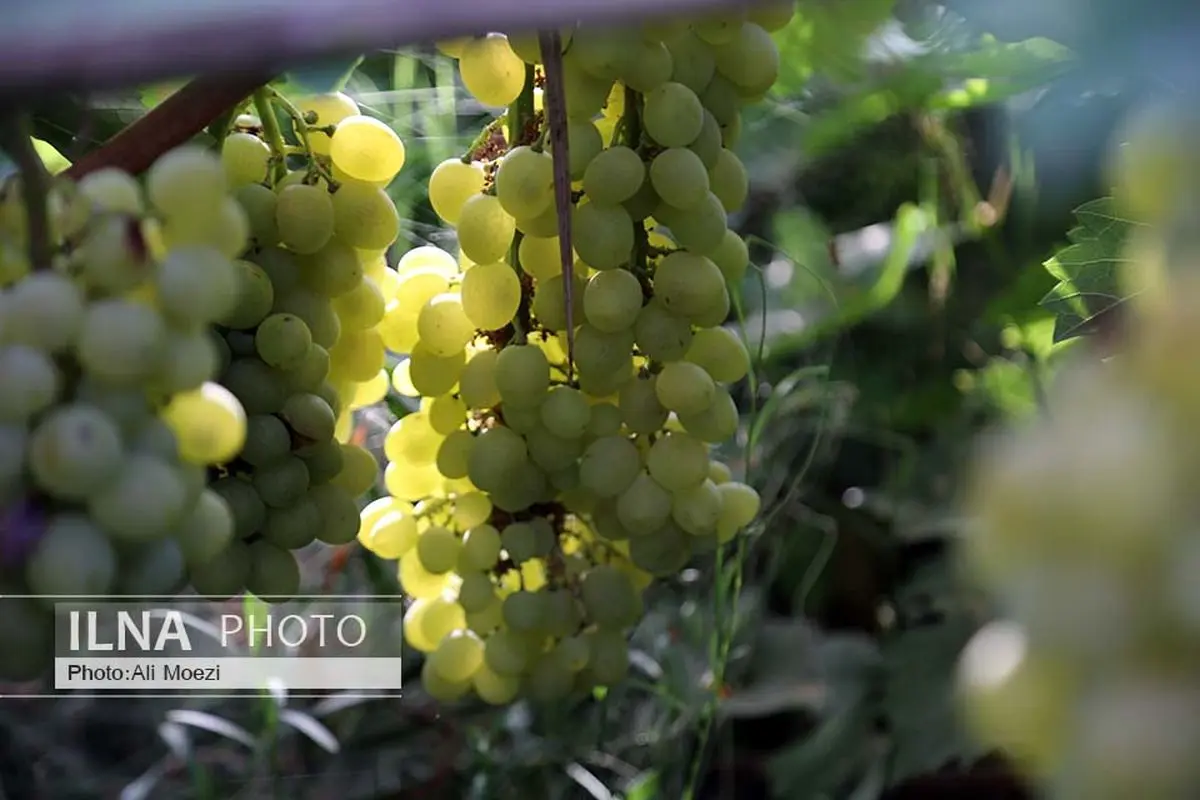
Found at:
(274, 136)
(35, 186)
(301, 126)
(484, 137)
(169, 124)
(554, 102)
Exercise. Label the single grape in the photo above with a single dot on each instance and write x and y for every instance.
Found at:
(491, 294)
(305, 218)
(491, 71)
(525, 182)
(364, 216)
(245, 158)
(451, 184)
(366, 149)
(612, 300)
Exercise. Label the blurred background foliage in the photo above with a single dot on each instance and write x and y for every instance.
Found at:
(929, 231)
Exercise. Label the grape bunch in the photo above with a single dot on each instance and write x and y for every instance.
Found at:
(177, 374)
(560, 458)
(1087, 538)
(301, 348)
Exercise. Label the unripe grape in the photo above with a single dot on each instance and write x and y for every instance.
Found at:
(491, 71)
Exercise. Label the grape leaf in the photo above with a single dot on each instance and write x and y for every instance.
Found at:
(1088, 270)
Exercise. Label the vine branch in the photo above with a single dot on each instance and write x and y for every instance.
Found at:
(35, 186)
(555, 103)
(169, 124)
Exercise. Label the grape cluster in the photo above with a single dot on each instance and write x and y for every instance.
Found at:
(1086, 536)
(175, 375)
(547, 478)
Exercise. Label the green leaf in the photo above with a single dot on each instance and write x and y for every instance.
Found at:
(55, 161)
(323, 77)
(1088, 269)
(644, 787)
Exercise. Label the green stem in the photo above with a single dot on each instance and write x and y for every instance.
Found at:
(479, 141)
(301, 126)
(262, 105)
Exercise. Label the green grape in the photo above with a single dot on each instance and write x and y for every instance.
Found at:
(224, 576)
(223, 227)
(304, 216)
(540, 257)
(644, 201)
(660, 334)
(196, 286)
(522, 375)
(283, 341)
(481, 547)
(439, 688)
(600, 353)
(332, 271)
(688, 284)
(267, 440)
(739, 506)
(609, 597)
(700, 229)
(729, 181)
(157, 568)
(309, 415)
(120, 341)
(549, 680)
(731, 257)
(259, 388)
(411, 439)
(651, 67)
(721, 98)
(550, 305)
(679, 178)
(454, 454)
(45, 310)
(280, 266)
(565, 412)
(673, 115)
(497, 454)
(113, 255)
(525, 611)
(74, 450)
(329, 109)
(458, 656)
(525, 182)
(602, 235)
(282, 483)
(477, 383)
(114, 190)
(608, 659)
(603, 53)
(491, 294)
(716, 423)
(520, 542)
(141, 502)
(438, 549)
(293, 527)
(366, 149)
(485, 229)
(493, 688)
(707, 145)
(491, 71)
(614, 176)
(186, 181)
(451, 184)
(14, 439)
(543, 226)
(324, 461)
(665, 552)
(443, 325)
(552, 453)
(274, 572)
(640, 408)
(253, 297)
(692, 61)
(245, 158)
(772, 15)
(362, 307)
(446, 414)
(315, 311)
(721, 353)
(364, 216)
(393, 535)
(750, 60)
(684, 387)
(697, 510)
(472, 509)
(609, 465)
(72, 557)
(586, 94)
(644, 506)
(507, 652)
(209, 423)
(678, 461)
(612, 300)
(584, 143)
